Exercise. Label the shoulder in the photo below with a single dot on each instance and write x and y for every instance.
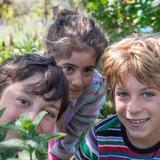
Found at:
(97, 85)
(101, 131)
(97, 78)
(95, 93)
(109, 124)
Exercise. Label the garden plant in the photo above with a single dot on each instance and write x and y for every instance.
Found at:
(30, 146)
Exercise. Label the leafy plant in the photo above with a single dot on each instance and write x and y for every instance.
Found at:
(122, 17)
(30, 146)
(107, 109)
(27, 45)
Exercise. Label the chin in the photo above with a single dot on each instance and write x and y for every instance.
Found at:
(74, 96)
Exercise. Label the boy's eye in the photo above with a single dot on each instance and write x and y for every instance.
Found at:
(122, 94)
(23, 101)
(148, 94)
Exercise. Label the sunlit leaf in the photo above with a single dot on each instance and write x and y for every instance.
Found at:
(55, 136)
(14, 143)
(39, 117)
(24, 122)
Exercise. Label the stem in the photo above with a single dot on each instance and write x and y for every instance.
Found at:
(30, 155)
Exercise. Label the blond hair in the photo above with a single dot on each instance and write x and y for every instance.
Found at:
(139, 55)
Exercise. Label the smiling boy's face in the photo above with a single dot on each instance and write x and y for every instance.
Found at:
(17, 101)
(138, 108)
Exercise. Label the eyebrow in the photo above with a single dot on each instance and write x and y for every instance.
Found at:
(142, 89)
(147, 88)
(49, 102)
(68, 64)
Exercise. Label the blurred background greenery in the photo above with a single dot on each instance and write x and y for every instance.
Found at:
(23, 23)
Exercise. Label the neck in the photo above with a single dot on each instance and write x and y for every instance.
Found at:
(144, 143)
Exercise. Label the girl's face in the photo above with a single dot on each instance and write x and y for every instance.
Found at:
(78, 69)
(17, 101)
(138, 108)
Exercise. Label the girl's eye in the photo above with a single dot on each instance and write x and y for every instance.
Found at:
(50, 114)
(148, 94)
(88, 71)
(68, 70)
(23, 101)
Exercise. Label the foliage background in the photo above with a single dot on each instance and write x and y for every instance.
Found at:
(24, 23)
(122, 17)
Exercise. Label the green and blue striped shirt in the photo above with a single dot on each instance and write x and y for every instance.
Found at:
(108, 140)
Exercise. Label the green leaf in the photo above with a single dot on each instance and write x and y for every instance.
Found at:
(14, 143)
(3, 132)
(12, 159)
(39, 118)
(55, 136)
(24, 155)
(41, 156)
(32, 144)
(24, 122)
(2, 111)
(16, 128)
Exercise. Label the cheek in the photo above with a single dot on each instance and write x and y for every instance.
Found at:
(46, 126)
(119, 106)
(88, 80)
(10, 114)
(69, 78)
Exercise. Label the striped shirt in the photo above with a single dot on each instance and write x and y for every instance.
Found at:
(107, 140)
(80, 114)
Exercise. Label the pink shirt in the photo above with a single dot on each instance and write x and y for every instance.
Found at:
(51, 156)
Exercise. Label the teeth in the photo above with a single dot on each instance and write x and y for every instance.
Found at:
(138, 121)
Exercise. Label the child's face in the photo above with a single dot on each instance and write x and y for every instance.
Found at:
(17, 101)
(78, 69)
(138, 108)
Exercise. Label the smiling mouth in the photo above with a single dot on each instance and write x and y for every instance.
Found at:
(137, 122)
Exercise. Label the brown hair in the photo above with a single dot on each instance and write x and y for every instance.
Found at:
(63, 48)
(80, 27)
(19, 68)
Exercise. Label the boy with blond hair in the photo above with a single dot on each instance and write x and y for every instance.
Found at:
(131, 68)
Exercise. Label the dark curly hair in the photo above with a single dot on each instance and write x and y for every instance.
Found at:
(21, 67)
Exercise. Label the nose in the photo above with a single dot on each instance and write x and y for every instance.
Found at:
(77, 79)
(32, 115)
(134, 106)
